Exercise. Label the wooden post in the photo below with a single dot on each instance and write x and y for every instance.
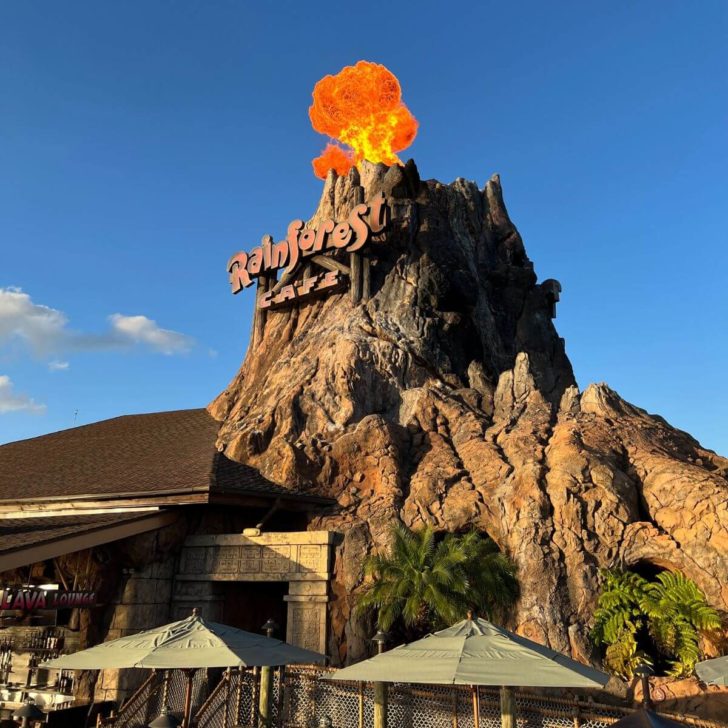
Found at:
(266, 683)
(260, 314)
(226, 715)
(187, 718)
(366, 278)
(508, 708)
(355, 265)
(266, 692)
(380, 688)
(380, 705)
(476, 707)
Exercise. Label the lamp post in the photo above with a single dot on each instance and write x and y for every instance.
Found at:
(266, 683)
(643, 672)
(380, 688)
(28, 714)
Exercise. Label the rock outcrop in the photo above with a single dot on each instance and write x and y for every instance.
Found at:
(448, 398)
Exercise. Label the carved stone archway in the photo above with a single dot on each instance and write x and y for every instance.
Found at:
(300, 558)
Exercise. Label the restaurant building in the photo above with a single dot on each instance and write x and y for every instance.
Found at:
(126, 524)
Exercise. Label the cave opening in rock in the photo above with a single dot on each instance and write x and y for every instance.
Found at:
(649, 569)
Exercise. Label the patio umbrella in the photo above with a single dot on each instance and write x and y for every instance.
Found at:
(475, 652)
(189, 644)
(713, 672)
(645, 718)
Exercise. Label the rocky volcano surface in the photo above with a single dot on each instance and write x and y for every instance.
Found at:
(448, 398)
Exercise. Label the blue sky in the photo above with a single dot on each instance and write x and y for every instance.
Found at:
(141, 143)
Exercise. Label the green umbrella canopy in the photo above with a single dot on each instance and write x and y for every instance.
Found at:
(645, 718)
(189, 643)
(475, 652)
(714, 672)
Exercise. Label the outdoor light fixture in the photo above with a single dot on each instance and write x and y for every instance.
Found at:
(165, 720)
(269, 627)
(380, 639)
(643, 672)
(28, 714)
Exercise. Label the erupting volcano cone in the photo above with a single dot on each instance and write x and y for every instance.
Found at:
(448, 398)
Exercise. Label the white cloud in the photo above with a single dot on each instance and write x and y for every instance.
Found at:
(58, 366)
(11, 401)
(45, 331)
(142, 330)
(41, 328)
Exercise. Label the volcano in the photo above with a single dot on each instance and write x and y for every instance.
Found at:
(446, 397)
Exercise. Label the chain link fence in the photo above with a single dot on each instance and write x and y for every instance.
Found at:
(161, 689)
(301, 697)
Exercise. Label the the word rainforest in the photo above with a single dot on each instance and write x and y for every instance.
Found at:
(349, 236)
(28, 600)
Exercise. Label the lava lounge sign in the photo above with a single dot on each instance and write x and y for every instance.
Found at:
(30, 600)
(304, 247)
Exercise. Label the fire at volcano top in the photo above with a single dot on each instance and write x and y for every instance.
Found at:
(361, 107)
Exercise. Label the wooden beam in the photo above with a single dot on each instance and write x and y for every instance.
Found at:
(326, 261)
(366, 276)
(83, 539)
(355, 265)
(285, 279)
(260, 314)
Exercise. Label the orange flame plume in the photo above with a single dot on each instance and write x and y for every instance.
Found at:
(361, 106)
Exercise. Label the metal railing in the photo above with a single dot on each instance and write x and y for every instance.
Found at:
(161, 689)
(301, 698)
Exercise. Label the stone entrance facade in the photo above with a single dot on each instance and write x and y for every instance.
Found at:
(302, 559)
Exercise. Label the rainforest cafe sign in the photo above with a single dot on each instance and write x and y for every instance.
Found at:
(302, 242)
(29, 600)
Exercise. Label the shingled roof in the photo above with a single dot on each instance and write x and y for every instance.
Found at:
(134, 455)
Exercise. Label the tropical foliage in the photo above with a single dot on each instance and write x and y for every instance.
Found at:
(426, 583)
(642, 621)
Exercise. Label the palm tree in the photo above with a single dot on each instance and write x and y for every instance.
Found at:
(493, 586)
(429, 583)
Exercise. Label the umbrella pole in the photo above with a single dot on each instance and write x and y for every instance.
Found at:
(187, 719)
(508, 708)
(476, 707)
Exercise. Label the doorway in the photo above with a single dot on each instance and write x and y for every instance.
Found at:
(249, 605)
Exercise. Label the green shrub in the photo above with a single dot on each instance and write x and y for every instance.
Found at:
(671, 610)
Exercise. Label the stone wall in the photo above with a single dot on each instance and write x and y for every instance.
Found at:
(147, 563)
(144, 603)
